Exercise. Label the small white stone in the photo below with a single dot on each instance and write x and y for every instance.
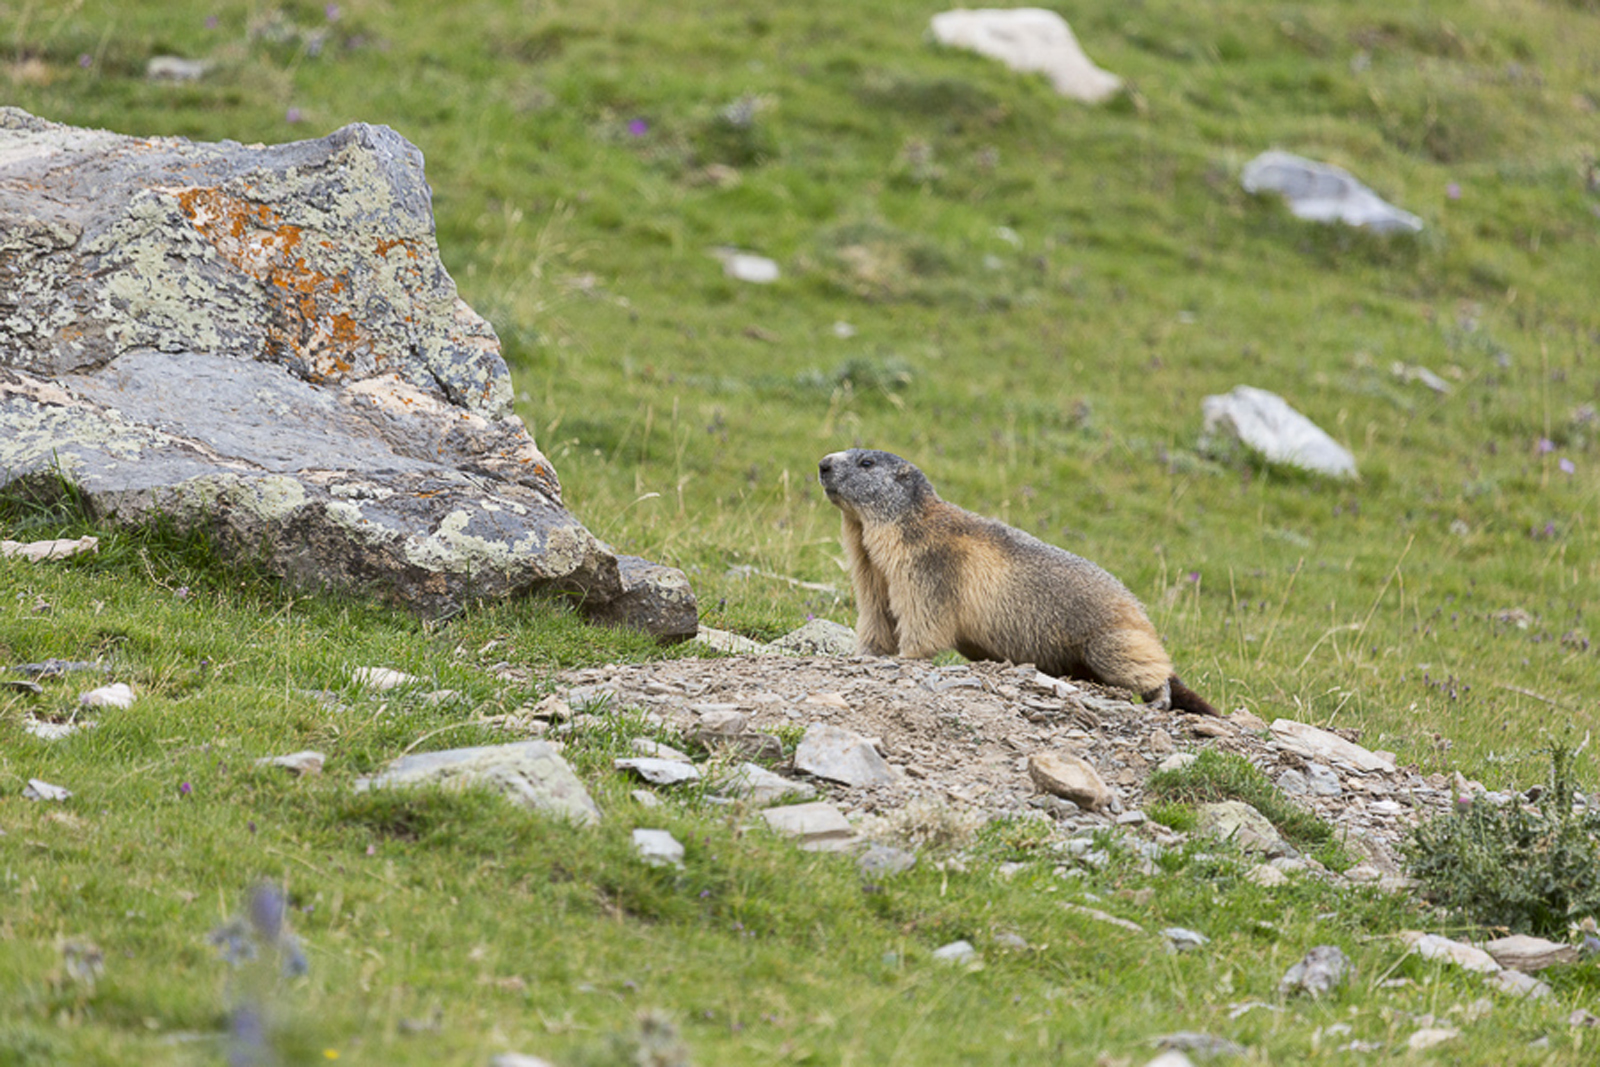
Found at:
(956, 952)
(38, 789)
(658, 848)
(118, 695)
(382, 678)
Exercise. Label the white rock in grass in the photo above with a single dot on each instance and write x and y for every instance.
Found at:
(382, 678)
(1431, 1036)
(1030, 40)
(1171, 1058)
(1318, 192)
(39, 551)
(956, 952)
(117, 695)
(658, 848)
(53, 731)
(38, 789)
(1265, 423)
(747, 266)
(1180, 939)
(175, 69)
(302, 764)
(519, 1059)
(531, 774)
(1434, 947)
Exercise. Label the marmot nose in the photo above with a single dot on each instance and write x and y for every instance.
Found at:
(825, 465)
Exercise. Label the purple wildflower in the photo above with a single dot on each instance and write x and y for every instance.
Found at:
(185, 789)
(85, 60)
(331, 12)
(1546, 446)
(638, 128)
(212, 22)
(1453, 191)
(1567, 466)
(292, 115)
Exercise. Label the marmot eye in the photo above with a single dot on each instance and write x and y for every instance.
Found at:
(867, 463)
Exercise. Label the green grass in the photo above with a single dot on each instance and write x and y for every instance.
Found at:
(1216, 776)
(1040, 295)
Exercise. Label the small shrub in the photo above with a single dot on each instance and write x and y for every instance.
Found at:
(1529, 871)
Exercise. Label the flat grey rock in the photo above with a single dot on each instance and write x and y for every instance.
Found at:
(1319, 192)
(660, 771)
(839, 755)
(756, 784)
(1264, 423)
(881, 861)
(819, 825)
(658, 848)
(261, 342)
(1236, 821)
(1316, 743)
(531, 774)
(1322, 780)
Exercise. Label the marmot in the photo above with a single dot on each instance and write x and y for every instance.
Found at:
(930, 576)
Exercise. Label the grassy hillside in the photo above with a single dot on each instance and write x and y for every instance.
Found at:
(1026, 296)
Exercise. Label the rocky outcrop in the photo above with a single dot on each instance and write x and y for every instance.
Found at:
(262, 342)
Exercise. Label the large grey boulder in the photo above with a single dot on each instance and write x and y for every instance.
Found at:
(1319, 192)
(261, 341)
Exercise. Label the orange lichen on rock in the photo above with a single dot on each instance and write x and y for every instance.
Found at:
(310, 320)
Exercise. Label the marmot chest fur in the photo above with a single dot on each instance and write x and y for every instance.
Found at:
(930, 576)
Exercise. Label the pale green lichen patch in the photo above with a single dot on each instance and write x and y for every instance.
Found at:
(451, 549)
(349, 518)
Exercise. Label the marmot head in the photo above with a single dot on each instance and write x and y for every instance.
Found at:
(871, 485)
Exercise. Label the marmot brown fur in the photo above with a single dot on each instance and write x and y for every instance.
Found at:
(930, 576)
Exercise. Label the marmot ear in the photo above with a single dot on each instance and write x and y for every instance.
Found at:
(904, 474)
